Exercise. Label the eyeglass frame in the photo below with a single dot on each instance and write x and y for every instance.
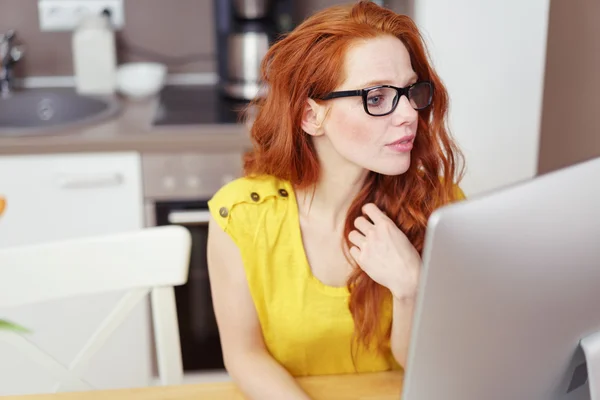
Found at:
(364, 93)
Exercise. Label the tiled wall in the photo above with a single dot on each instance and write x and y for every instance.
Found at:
(181, 30)
(173, 28)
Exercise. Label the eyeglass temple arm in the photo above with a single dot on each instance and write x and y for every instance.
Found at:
(343, 93)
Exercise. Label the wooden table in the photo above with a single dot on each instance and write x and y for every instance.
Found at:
(375, 386)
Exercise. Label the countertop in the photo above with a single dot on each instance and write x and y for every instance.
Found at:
(374, 386)
(133, 130)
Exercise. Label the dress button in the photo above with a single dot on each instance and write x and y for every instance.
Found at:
(254, 196)
(283, 193)
(223, 212)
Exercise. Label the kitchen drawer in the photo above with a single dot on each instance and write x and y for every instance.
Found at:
(58, 196)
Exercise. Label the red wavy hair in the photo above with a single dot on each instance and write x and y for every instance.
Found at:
(308, 63)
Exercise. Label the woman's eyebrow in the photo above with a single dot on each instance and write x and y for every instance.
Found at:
(412, 79)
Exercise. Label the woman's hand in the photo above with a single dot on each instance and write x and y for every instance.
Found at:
(385, 253)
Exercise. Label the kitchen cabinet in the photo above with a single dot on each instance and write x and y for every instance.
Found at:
(59, 196)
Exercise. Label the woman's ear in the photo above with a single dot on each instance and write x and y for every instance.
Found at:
(312, 118)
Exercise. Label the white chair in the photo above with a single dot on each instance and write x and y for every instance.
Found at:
(148, 261)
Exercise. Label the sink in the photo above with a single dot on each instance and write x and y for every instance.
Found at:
(32, 112)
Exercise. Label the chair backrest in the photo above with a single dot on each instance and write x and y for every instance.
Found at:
(149, 261)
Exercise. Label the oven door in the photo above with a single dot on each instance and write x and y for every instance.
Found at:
(200, 344)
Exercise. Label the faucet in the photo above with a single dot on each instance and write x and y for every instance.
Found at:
(9, 55)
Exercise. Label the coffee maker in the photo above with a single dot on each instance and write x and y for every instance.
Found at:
(245, 31)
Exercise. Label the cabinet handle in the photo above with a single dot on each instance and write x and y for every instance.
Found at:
(189, 217)
(89, 181)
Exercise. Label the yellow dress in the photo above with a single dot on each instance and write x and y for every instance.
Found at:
(306, 324)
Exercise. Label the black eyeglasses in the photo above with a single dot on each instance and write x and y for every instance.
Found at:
(383, 99)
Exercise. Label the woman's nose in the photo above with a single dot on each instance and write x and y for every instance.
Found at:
(404, 112)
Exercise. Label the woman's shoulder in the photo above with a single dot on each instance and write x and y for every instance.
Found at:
(458, 193)
(239, 204)
(250, 189)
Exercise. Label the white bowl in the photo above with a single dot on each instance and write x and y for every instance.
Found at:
(140, 80)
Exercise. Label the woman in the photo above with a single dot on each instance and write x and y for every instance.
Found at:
(314, 255)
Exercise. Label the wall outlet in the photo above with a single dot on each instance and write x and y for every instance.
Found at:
(64, 15)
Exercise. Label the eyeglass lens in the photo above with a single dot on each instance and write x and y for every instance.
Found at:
(383, 100)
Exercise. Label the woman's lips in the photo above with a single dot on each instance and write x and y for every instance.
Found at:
(402, 145)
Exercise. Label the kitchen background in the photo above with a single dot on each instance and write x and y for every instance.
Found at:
(523, 81)
(181, 30)
(182, 34)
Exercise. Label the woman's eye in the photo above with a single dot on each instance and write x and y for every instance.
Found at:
(375, 100)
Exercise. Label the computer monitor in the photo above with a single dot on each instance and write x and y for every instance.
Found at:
(510, 289)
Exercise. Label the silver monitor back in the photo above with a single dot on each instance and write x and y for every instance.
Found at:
(510, 285)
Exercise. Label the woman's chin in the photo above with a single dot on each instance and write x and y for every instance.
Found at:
(397, 167)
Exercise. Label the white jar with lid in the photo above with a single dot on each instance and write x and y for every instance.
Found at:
(94, 56)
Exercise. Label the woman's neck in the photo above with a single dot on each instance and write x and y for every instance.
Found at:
(330, 198)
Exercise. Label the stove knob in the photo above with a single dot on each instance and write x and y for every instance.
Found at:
(193, 182)
(169, 183)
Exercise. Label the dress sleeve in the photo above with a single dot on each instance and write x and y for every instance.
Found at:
(244, 206)
(230, 209)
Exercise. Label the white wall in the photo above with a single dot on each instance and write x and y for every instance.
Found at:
(491, 55)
